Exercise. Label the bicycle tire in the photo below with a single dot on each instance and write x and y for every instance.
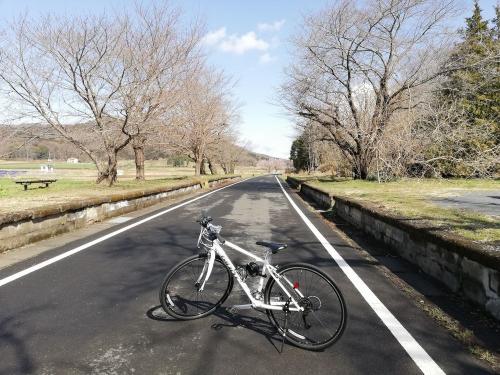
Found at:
(322, 298)
(179, 296)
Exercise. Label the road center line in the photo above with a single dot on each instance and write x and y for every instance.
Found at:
(68, 253)
(412, 347)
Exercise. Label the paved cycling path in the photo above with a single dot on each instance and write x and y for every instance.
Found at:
(96, 311)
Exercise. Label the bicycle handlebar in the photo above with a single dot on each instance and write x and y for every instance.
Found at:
(213, 234)
(204, 220)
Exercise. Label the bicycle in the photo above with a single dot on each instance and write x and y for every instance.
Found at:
(302, 302)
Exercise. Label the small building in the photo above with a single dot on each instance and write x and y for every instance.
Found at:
(72, 160)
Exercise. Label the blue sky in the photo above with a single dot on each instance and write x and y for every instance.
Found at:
(248, 39)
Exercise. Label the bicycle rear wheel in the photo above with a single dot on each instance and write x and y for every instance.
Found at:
(180, 296)
(325, 315)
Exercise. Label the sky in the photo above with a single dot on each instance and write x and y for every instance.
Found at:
(249, 40)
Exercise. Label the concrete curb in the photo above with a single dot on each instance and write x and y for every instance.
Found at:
(463, 266)
(28, 226)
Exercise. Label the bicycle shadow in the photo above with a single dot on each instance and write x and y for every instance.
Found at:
(230, 320)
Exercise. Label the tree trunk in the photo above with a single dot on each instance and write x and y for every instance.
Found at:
(203, 168)
(360, 168)
(211, 166)
(110, 172)
(138, 146)
(139, 163)
(197, 166)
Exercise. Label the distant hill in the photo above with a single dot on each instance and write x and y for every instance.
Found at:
(33, 141)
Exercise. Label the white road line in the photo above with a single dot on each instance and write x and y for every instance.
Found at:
(412, 347)
(66, 254)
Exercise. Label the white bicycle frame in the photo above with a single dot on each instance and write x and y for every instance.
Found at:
(216, 249)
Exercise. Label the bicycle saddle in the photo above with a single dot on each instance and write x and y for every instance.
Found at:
(273, 246)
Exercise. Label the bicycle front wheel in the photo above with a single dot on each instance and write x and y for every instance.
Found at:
(180, 296)
(325, 315)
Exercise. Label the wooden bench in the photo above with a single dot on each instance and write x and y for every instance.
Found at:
(25, 183)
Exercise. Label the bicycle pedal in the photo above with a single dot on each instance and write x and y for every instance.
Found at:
(232, 310)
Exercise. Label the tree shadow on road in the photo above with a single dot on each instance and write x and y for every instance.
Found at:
(17, 333)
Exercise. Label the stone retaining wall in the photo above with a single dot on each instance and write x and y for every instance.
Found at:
(27, 226)
(293, 182)
(465, 267)
(318, 196)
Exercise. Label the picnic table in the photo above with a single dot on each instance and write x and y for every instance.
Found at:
(26, 183)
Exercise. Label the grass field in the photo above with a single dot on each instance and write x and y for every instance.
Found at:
(413, 198)
(87, 171)
(14, 198)
(77, 181)
(30, 165)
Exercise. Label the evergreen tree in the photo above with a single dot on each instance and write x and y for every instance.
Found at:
(299, 155)
(477, 85)
(496, 24)
(475, 88)
(477, 28)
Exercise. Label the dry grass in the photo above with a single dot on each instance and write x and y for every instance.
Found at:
(413, 198)
(86, 171)
(77, 181)
(13, 198)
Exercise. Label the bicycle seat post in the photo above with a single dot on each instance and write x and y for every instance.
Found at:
(268, 256)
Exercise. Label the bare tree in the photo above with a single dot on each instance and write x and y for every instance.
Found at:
(161, 56)
(65, 71)
(433, 141)
(115, 75)
(13, 138)
(272, 165)
(205, 116)
(357, 67)
(226, 153)
(442, 139)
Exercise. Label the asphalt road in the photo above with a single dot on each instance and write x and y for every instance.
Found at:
(484, 202)
(97, 312)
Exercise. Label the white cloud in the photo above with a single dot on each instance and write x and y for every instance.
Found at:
(275, 26)
(266, 58)
(214, 37)
(241, 44)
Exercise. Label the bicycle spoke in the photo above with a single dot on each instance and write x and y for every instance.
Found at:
(323, 320)
(187, 300)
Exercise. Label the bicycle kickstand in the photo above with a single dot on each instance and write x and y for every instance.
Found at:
(286, 310)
